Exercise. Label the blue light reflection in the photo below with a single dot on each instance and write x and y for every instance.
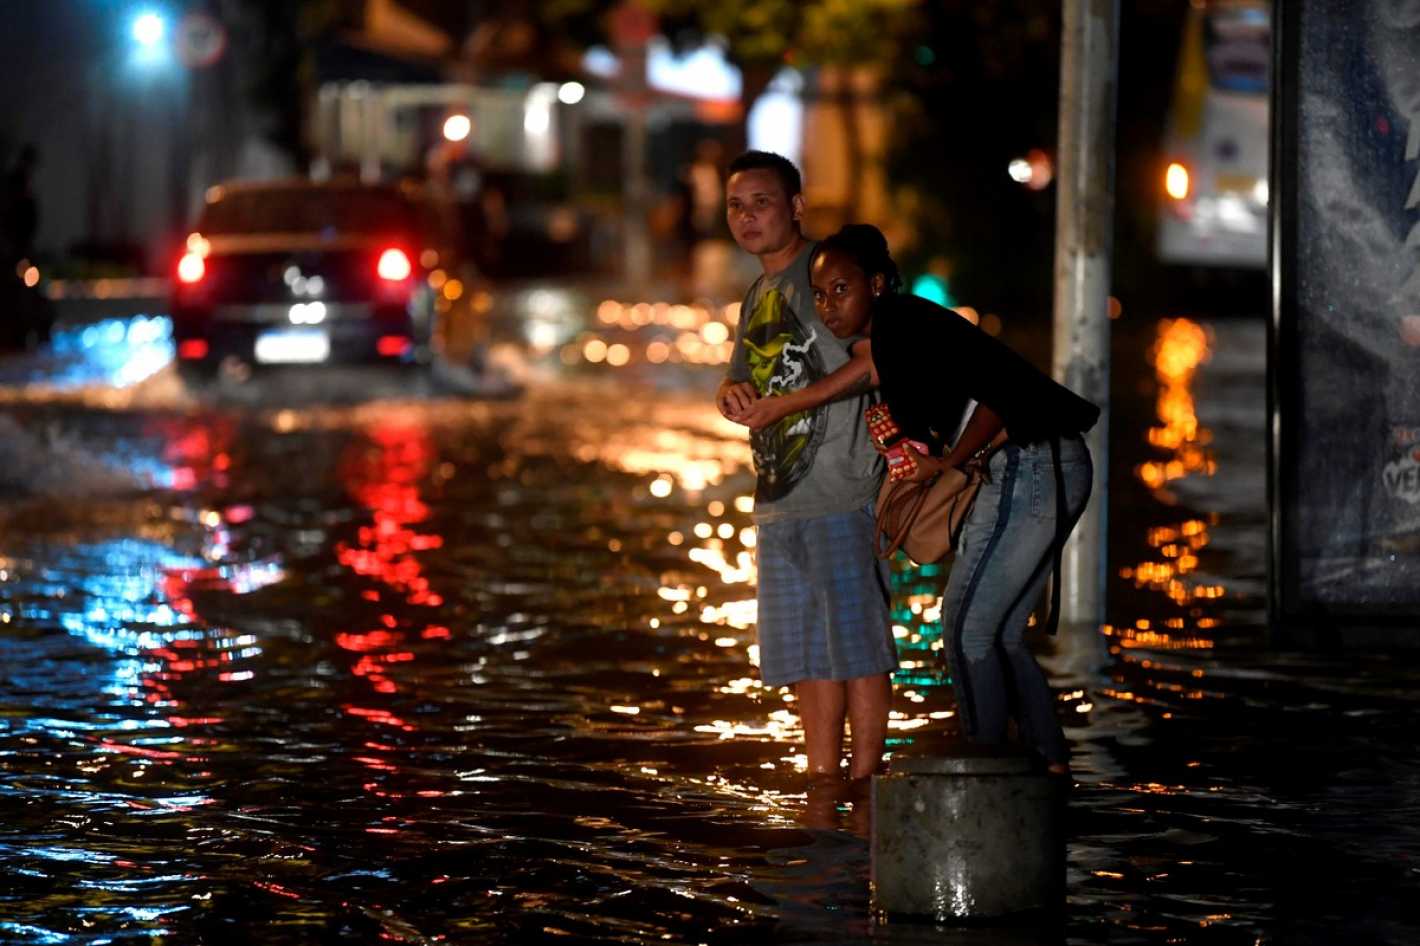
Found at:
(33, 934)
(131, 598)
(114, 352)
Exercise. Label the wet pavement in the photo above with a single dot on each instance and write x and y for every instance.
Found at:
(467, 657)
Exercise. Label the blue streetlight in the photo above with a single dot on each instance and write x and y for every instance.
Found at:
(149, 29)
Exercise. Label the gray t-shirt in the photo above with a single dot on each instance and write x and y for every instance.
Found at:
(816, 462)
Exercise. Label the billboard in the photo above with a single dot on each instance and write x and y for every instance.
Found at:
(1344, 372)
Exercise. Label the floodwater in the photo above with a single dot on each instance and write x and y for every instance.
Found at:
(352, 657)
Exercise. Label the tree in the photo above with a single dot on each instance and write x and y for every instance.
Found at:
(274, 51)
(763, 36)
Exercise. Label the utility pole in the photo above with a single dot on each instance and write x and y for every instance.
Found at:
(632, 27)
(1084, 246)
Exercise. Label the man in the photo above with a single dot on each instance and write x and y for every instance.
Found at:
(823, 594)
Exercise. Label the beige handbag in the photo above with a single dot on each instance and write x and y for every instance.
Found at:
(924, 518)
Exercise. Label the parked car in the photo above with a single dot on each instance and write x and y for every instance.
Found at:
(299, 272)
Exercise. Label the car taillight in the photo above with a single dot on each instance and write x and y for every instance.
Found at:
(394, 265)
(192, 349)
(392, 346)
(1176, 181)
(191, 268)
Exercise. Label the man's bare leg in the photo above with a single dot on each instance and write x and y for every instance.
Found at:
(821, 707)
(869, 702)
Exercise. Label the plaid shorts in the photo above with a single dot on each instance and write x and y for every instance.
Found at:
(823, 600)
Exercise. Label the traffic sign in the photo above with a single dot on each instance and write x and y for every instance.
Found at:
(200, 40)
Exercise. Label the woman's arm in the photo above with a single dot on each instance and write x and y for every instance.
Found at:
(854, 377)
(980, 430)
(983, 427)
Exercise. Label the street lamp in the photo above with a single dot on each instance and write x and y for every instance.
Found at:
(149, 29)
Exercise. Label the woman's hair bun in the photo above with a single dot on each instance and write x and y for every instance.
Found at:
(866, 246)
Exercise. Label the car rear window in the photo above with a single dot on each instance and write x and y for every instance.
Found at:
(1239, 44)
(343, 210)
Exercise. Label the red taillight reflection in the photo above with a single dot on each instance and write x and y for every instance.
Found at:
(394, 265)
(191, 268)
(392, 346)
(191, 349)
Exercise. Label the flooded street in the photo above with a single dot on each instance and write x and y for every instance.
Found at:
(468, 657)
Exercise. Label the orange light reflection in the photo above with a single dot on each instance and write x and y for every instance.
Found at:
(1181, 348)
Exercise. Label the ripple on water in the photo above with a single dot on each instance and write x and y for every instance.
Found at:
(414, 670)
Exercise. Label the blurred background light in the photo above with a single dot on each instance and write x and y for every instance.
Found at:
(775, 122)
(702, 73)
(149, 29)
(933, 288)
(457, 127)
(1176, 181)
(540, 138)
(1035, 170)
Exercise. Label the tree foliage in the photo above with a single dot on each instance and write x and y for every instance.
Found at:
(762, 36)
(978, 86)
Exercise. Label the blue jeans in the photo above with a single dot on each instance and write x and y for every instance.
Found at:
(1003, 557)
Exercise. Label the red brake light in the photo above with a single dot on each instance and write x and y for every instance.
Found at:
(392, 346)
(192, 349)
(191, 268)
(394, 265)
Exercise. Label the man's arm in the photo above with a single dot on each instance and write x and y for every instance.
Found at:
(853, 378)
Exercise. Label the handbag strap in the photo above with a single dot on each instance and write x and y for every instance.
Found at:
(915, 494)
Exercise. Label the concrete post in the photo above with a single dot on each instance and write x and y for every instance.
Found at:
(1084, 245)
(966, 837)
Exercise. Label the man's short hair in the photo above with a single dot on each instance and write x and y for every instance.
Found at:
(782, 167)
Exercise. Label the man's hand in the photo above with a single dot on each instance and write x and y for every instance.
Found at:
(734, 398)
(765, 411)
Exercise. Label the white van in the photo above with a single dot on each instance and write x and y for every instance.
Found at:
(1213, 177)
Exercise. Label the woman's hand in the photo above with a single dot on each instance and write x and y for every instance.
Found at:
(925, 468)
(765, 411)
(734, 398)
(915, 466)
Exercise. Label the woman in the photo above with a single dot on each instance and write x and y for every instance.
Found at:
(931, 364)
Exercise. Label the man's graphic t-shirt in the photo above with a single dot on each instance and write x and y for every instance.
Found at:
(815, 462)
(781, 358)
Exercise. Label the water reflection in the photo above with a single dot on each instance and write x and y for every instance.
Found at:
(418, 671)
(1180, 348)
(383, 470)
(115, 726)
